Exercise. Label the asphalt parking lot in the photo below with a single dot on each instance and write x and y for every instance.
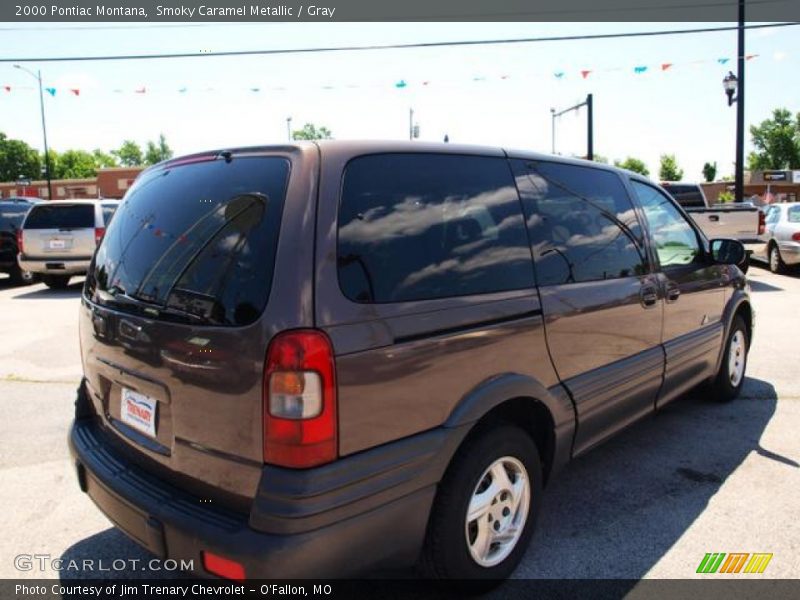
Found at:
(696, 478)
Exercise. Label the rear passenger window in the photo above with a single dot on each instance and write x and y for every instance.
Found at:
(424, 226)
(581, 222)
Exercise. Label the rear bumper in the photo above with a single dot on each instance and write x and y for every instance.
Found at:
(357, 514)
(56, 265)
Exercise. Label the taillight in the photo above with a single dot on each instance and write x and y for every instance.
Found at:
(762, 223)
(223, 567)
(796, 237)
(300, 422)
(99, 232)
(19, 241)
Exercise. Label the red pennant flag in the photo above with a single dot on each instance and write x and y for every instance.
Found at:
(141, 90)
(749, 56)
(585, 73)
(7, 88)
(665, 66)
(75, 91)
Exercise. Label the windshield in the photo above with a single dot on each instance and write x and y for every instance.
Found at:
(60, 216)
(196, 240)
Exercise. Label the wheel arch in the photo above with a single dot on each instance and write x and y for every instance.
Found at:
(547, 415)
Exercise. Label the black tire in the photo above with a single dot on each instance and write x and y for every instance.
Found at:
(776, 264)
(21, 277)
(56, 282)
(446, 554)
(722, 388)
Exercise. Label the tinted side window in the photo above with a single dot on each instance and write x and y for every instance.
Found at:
(675, 241)
(423, 226)
(582, 224)
(108, 213)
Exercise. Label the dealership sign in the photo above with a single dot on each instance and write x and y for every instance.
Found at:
(775, 175)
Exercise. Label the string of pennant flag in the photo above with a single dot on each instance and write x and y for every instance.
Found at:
(398, 84)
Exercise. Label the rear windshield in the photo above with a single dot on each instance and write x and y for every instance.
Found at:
(194, 242)
(60, 216)
(793, 216)
(688, 196)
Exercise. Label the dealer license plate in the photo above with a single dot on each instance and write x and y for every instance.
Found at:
(139, 411)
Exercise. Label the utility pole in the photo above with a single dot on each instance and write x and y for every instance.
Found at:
(552, 131)
(289, 128)
(738, 194)
(589, 104)
(38, 77)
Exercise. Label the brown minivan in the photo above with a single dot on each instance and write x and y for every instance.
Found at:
(317, 359)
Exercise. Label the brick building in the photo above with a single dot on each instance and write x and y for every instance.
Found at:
(769, 186)
(109, 183)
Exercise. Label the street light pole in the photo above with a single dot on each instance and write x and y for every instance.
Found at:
(289, 128)
(738, 194)
(552, 131)
(410, 123)
(589, 104)
(38, 77)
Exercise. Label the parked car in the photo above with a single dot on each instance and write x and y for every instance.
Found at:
(781, 240)
(739, 220)
(426, 334)
(12, 213)
(58, 238)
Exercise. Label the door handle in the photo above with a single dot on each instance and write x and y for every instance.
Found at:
(714, 218)
(673, 292)
(648, 295)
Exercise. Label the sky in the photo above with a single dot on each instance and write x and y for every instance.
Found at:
(497, 95)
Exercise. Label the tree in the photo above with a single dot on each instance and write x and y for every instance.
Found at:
(104, 160)
(311, 132)
(157, 152)
(599, 158)
(777, 142)
(669, 170)
(17, 159)
(75, 164)
(710, 171)
(633, 164)
(129, 154)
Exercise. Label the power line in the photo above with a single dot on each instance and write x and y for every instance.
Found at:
(450, 17)
(376, 47)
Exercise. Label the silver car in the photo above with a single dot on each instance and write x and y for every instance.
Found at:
(58, 238)
(781, 236)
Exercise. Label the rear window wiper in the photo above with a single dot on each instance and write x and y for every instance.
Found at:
(156, 311)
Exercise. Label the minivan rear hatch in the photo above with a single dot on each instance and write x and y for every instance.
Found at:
(171, 339)
(60, 229)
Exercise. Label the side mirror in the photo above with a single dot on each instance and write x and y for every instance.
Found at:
(728, 252)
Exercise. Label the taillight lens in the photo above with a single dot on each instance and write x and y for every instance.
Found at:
(223, 567)
(19, 241)
(300, 421)
(99, 232)
(796, 237)
(762, 223)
